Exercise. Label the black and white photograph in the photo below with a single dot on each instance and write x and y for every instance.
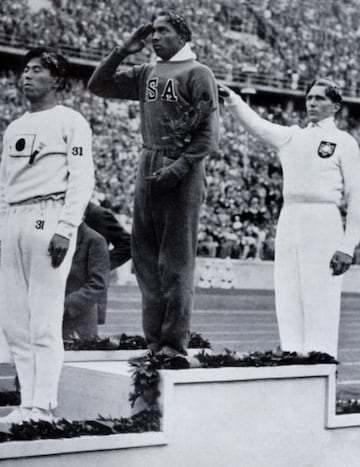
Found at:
(180, 233)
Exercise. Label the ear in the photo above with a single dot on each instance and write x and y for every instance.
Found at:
(20, 84)
(337, 106)
(57, 82)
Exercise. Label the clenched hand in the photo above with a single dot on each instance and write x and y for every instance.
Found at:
(58, 248)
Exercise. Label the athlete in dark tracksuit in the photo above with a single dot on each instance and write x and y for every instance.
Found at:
(179, 123)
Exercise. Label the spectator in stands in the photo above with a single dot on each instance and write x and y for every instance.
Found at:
(284, 45)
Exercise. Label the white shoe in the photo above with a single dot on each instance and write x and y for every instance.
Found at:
(19, 415)
(37, 415)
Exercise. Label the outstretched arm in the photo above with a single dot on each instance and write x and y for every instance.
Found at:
(268, 132)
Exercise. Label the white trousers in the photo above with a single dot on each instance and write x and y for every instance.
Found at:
(32, 300)
(307, 295)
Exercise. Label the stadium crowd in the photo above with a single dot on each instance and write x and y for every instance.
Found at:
(244, 177)
(280, 38)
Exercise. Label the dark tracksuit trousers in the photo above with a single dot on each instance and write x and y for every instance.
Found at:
(164, 243)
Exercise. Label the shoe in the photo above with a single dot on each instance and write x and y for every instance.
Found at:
(172, 352)
(19, 415)
(41, 415)
(173, 358)
(153, 347)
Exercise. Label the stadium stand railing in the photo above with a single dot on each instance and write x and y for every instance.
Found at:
(257, 80)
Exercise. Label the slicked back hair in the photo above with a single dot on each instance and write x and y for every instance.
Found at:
(332, 89)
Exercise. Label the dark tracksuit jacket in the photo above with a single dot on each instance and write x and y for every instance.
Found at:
(105, 223)
(165, 223)
(88, 280)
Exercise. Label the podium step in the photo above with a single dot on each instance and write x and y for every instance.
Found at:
(90, 389)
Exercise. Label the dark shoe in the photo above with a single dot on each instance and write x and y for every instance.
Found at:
(153, 347)
(173, 352)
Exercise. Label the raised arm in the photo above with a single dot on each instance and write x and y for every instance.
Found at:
(102, 82)
(268, 132)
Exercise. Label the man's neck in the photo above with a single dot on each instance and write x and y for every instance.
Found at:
(44, 104)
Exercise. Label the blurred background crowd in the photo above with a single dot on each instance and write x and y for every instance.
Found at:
(285, 42)
(278, 39)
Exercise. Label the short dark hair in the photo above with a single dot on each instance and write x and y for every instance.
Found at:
(178, 22)
(332, 89)
(53, 61)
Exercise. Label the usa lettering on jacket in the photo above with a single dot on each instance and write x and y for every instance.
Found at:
(167, 93)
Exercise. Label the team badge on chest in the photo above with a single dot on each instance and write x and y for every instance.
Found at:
(22, 145)
(326, 149)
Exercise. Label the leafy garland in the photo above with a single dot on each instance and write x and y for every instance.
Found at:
(125, 342)
(146, 378)
(258, 359)
(9, 398)
(147, 420)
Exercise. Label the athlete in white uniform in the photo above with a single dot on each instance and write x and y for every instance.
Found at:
(312, 250)
(46, 181)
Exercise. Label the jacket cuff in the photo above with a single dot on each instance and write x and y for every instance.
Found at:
(66, 230)
(347, 249)
(180, 167)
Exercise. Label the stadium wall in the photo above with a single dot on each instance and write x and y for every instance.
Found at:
(237, 274)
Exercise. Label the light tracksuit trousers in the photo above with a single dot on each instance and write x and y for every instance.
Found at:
(32, 299)
(307, 295)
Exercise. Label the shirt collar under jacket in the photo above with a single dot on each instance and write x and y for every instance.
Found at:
(327, 122)
(185, 53)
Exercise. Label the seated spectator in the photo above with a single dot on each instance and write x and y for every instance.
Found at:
(86, 283)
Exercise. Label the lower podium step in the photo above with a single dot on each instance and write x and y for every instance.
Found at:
(90, 389)
(235, 417)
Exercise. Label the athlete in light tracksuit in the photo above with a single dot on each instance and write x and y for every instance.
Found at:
(312, 250)
(171, 184)
(46, 181)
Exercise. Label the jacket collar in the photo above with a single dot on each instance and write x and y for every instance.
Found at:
(185, 53)
(326, 123)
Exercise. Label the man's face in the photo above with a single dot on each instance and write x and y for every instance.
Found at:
(37, 81)
(165, 40)
(318, 105)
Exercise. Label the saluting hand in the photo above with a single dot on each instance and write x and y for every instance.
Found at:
(58, 248)
(340, 263)
(136, 41)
